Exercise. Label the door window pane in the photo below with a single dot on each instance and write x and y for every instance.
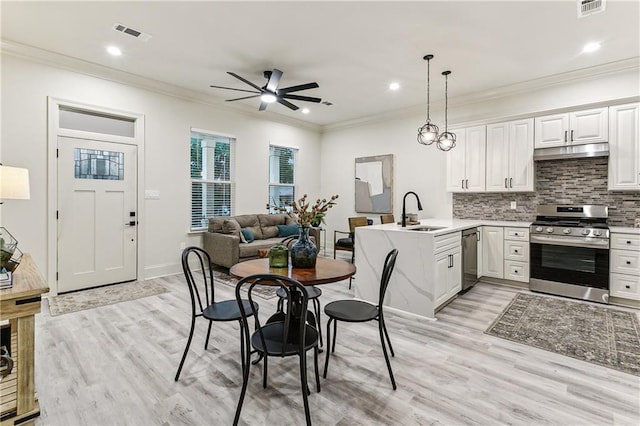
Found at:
(95, 164)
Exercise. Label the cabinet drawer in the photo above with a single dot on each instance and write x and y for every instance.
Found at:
(625, 286)
(516, 271)
(516, 234)
(445, 242)
(625, 241)
(625, 262)
(516, 250)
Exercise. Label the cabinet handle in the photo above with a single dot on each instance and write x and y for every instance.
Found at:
(516, 251)
(628, 262)
(467, 182)
(516, 271)
(565, 135)
(462, 184)
(505, 183)
(628, 242)
(515, 233)
(572, 136)
(626, 286)
(510, 182)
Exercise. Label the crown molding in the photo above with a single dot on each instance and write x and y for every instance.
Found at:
(91, 69)
(581, 75)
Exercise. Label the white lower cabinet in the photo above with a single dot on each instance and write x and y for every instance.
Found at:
(625, 266)
(448, 270)
(493, 251)
(505, 253)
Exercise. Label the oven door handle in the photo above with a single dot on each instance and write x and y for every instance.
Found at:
(599, 243)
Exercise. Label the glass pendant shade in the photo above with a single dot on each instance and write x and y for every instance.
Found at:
(428, 134)
(446, 141)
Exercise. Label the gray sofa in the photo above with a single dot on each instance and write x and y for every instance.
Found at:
(223, 242)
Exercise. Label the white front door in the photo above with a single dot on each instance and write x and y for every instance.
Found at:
(97, 213)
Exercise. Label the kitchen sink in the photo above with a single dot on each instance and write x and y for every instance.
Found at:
(426, 228)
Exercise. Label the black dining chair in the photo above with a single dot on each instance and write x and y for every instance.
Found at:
(284, 334)
(361, 311)
(203, 303)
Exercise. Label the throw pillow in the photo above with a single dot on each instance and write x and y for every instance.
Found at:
(246, 235)
(287, 230)
(231, 226)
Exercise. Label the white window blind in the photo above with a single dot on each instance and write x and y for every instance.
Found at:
(212, 185)
(282, 162)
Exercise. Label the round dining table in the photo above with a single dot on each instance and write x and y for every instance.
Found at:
(326, 271)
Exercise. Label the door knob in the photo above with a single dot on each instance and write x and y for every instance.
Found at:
(132, 223)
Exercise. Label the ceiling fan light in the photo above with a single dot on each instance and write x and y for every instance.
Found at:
(268, 98)
(446, 141)
(428, 134)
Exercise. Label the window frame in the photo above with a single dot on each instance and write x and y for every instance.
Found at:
(271, 184)
(201, 134)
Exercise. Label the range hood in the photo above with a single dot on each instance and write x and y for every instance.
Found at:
(571, 151)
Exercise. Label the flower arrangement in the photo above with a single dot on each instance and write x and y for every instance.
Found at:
(304, 213)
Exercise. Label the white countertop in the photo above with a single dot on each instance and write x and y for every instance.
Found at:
(450, 225)
(624, 230)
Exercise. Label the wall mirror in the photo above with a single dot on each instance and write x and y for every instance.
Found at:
(374, 184)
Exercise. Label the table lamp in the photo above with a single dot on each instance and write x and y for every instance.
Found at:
(14, 185)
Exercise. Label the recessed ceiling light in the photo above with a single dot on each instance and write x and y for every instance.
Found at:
(394, 86)
(305, 110)
(591, 47)
(113, 50)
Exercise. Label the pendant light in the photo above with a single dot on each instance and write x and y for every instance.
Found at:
(428, 133)
(446, 140)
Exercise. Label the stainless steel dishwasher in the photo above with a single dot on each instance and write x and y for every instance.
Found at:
(470, 238)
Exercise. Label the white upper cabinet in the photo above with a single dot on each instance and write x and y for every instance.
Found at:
(624, 148)
(509, 163)
(466, 162)
(573, 128)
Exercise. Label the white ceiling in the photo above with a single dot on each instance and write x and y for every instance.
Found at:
(352, 49)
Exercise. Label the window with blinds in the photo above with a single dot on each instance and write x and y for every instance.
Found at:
(212, 159)
(282, 162)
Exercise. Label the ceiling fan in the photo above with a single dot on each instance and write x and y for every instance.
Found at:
(270, 92)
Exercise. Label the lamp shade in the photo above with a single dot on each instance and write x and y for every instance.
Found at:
(14, 183)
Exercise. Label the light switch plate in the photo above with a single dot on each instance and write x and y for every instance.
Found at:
(513, 205)
(152, 194)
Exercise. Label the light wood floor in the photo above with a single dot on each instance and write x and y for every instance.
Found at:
(115, 365)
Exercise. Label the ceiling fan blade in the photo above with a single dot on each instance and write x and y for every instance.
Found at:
(263, 106)
(287, 104)
(301, 98)
(231, 88)
(239, 99)
(244, 80)
(298, 87)
(274, 79)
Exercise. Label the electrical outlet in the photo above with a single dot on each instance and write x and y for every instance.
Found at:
(513, 205)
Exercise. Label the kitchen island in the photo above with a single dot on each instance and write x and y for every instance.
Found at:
(428, 271)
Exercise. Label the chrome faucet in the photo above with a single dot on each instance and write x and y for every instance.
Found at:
(404, 214)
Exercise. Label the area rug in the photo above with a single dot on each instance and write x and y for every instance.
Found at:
(263, 292)
(589, 332)
(102, 296)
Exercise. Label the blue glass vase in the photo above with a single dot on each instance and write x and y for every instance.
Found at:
(303, 252)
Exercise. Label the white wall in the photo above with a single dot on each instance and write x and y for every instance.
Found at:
(422, 169)
(25, 88)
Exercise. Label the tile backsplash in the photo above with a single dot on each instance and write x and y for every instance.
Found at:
(574, 181)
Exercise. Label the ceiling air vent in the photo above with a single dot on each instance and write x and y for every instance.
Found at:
(590, 7)
(130, 31)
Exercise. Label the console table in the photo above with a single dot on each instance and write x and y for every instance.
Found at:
(19, 304)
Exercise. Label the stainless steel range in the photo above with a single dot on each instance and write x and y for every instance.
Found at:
(569, 251)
